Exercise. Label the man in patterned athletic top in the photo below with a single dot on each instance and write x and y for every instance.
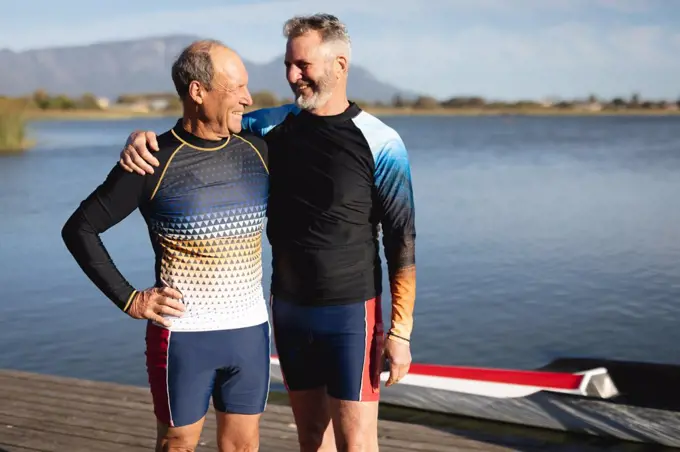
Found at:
(208, 330)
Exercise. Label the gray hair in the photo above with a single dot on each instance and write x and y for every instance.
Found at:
(194, 63)
(333, 32)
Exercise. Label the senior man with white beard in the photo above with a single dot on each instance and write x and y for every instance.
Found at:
(338, 176)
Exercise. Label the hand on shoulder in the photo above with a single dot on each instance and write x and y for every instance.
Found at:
(135, 156)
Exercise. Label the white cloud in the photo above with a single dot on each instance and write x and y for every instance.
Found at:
(533, 6)
(570, 59)
(408, 47)
(629, 6)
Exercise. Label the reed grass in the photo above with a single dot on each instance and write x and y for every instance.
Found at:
(13, 137)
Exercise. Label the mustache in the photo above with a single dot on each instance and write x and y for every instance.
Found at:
(304, 84)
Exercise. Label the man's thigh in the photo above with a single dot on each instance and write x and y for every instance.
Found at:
(354, 353)
(238, 432)
(302, 362)
(312, 415)
(242, 383)
(355, 424)
(185, 437)
(181, 376)
(331, 351)
(337, 347)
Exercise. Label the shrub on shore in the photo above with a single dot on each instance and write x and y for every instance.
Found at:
(13, 125)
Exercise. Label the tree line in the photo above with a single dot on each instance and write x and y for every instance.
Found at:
(41, 99)
(592, 101)
(169, 101)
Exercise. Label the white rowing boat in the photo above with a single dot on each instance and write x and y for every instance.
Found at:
(626, 400)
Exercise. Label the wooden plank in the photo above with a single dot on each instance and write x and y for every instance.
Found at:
(132, 423)
(141, 436)
(102, 404)
(49, 413)
(114, 416)
(30, 378)
(124, 438)
(103, 399)
(275, 423)
(56, 442)
(57, 385)
(53, 438)
(10, 448)
(122, 422)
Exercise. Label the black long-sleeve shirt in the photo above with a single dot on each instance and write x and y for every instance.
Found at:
(204, 208)
(335, 182)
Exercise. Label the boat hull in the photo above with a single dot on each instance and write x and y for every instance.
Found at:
(527, 406)
(563, 412)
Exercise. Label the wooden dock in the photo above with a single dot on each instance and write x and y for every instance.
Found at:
(50, 413)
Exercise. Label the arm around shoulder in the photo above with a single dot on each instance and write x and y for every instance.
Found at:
(260, 122)
(136, 157)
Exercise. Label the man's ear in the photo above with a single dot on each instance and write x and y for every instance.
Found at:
(196, 92)
(341, 62)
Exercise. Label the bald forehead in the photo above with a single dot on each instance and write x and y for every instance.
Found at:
(206, 46)
(228, 64)
(220, 51)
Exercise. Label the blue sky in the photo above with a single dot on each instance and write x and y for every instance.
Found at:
(502, 49)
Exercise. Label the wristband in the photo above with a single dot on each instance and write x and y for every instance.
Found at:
(128, 303)
(389, 333)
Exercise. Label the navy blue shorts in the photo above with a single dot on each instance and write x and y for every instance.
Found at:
(186, 369)
(337, 347)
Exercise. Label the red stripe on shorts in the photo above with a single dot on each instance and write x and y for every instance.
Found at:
(157, 347)
(370, 382)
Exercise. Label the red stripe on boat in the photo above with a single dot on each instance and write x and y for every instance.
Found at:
(516, 377)
(552, 380)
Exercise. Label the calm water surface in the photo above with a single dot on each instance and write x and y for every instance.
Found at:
(537, 238)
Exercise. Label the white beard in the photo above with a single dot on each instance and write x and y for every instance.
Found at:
(323, 92)
(313, 102)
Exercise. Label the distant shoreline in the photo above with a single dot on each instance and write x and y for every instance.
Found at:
(18, 149)
(76, 114)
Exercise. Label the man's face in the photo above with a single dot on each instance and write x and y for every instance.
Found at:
(309, 70)
(224, 104)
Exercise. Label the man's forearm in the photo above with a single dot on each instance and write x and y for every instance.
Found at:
(106, 206)
(395, 192)
(403, 291)
(260, 122)
(84, 244)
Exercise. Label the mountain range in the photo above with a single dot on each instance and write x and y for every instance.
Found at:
(109, 69)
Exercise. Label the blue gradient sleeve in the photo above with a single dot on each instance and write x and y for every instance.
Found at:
(393, 184)
(395, 192)
(260, 122)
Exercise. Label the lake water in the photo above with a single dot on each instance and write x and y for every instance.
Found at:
(538, 238)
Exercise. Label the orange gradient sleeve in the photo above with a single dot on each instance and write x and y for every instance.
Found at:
(403, 290)
(395, 191)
